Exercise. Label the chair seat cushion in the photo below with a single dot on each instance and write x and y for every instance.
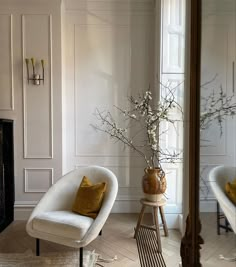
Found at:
(62, 223)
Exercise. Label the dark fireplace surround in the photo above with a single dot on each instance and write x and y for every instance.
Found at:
(7, 194)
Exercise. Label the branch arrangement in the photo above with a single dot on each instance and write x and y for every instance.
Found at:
(141, 131)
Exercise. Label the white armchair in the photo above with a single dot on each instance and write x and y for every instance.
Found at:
(53, 220)
(218, 177)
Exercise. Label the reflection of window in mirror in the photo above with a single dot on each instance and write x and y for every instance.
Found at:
(218, 131)
(172, 76)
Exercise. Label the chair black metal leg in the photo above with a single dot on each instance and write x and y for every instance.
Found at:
(226, 225)
(37, 247)
(100, 233)
(218, 217)
(81, 257)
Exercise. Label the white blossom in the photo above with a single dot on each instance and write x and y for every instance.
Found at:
(154, 146)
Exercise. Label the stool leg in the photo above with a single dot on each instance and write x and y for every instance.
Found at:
(157, 229)
(163, 221)
(226, 225)
(139, 221)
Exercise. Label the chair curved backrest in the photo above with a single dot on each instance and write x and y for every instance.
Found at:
(218, 177)
(62, 195)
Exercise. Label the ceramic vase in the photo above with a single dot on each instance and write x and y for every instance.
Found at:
(154, 184)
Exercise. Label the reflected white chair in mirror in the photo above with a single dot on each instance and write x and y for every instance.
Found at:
(218, 178)
(53, 220)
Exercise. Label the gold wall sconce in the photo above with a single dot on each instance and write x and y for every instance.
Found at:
(36, 78)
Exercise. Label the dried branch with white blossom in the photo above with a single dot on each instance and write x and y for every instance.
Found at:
(146, 116)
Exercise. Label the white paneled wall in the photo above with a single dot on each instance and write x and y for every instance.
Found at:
(32, 29)
(97, 53)
(109, 50)
(38, 180)
(110, 54)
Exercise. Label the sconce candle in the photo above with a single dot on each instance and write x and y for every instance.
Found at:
(35, 77)
(33, 64)
(42, 62)
(27, 68)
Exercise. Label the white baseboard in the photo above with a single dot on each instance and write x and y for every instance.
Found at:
(181, 224)
(22, 214)
(22, 211)
(208, 205)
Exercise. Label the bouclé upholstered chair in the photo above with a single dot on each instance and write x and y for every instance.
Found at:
(53, 219)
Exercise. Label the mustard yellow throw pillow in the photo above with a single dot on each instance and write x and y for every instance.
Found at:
(89, 198)
(230, 189)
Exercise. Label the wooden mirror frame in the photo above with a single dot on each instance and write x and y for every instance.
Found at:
(190, 244)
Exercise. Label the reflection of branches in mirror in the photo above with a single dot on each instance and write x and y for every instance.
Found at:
(204, 187)
(204, 85)
(216, 107)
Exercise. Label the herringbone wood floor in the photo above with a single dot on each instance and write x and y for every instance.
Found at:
(117, 239)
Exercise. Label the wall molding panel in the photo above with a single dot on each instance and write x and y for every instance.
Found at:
(31, 173)
(109, 55)
(137, 7)
(102, 80)
(6, 69)
(37, 117)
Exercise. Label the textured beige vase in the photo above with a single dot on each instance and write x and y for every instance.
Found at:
(154, 184)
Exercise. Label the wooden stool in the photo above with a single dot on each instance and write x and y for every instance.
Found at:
(155, 206)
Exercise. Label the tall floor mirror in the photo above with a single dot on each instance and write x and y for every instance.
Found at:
(217, 189)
